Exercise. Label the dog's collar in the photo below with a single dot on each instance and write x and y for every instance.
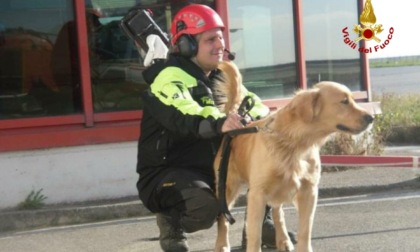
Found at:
(266, 128)
(241, 131)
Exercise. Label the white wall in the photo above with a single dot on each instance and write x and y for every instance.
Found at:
(69, 174)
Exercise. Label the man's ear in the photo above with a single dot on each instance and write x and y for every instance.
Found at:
(306, 105)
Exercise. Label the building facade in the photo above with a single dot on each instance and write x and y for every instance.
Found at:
(70, 81)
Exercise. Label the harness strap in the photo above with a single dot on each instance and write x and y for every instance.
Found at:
(224, 162)
(246, 105)
(223, 168)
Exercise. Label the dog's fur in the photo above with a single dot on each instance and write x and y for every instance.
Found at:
(281, 162)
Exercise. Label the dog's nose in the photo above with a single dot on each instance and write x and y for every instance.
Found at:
(368, 118)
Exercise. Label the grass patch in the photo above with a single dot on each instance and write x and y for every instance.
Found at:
(395, 62)
(34, 200)
(390, 63)
(403, 110)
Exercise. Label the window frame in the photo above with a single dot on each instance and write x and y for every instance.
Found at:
(90, 128)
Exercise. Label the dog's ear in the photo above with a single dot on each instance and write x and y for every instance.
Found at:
(306, 105)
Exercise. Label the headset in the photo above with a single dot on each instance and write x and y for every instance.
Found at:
(186, 45)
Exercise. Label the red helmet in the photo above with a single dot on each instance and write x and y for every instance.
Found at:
(196, 18)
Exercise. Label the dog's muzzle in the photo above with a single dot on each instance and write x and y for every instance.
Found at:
(365, 121)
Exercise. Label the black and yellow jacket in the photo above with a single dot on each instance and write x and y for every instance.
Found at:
(181, 125)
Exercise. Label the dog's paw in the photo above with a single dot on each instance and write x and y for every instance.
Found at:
(222, 246)
(222, 249)
(286, 246)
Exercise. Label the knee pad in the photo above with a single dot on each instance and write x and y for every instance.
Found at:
(202, 209)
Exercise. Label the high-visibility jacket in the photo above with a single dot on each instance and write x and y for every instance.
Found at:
(181, 125)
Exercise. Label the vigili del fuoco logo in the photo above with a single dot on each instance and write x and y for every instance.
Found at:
(368, 30)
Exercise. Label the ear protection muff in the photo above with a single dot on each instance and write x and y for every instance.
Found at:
(186, 44)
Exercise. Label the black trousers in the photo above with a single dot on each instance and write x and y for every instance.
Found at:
(188, 198)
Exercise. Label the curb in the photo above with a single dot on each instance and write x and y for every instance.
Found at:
(13, 221)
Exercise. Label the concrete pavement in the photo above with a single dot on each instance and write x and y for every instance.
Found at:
(345, 182)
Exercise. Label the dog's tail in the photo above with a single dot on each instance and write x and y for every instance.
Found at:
(228, 88)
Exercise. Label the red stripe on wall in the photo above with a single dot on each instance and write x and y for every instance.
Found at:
(380, 161)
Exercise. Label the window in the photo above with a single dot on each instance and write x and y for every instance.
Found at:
(115, 63)
(35, 79)
(261, 34)
(327, 56)
(39, 58)
(68, 79)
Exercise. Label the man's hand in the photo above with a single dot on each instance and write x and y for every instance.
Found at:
(232, 122)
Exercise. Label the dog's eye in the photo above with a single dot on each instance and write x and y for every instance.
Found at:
(345, 101)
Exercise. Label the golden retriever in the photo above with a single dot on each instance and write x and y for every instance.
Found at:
(281, 162)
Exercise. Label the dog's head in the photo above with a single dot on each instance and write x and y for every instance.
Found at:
(330, 105)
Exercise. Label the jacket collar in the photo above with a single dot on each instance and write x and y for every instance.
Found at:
(150, 73)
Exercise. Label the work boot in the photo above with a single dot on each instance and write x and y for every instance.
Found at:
(172, 238)
(268, 234)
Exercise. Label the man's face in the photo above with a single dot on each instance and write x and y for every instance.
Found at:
(211, 47)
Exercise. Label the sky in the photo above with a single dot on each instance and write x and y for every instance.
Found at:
(404, 17)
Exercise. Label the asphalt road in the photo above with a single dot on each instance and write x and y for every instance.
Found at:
(377, 222)
(400, 80)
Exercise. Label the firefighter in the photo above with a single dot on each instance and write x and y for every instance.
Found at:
(181, 130)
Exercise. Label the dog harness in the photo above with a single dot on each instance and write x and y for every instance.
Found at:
(246, 105)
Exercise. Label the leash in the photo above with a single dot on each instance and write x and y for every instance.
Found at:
(246, 105)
